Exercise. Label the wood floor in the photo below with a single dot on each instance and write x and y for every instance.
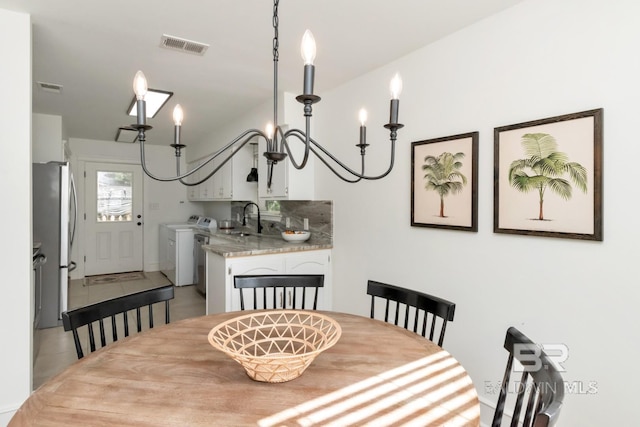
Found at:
(57, 350)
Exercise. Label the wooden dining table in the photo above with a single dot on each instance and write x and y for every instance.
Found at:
(377, 374)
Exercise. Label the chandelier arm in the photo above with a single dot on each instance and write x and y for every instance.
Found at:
(143, 163)
(178, 172)
(298, 134)
(248, 134)
(307, 146)
(335, 172)
(302, 137)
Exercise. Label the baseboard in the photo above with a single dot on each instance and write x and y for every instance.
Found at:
(152, 266)
(487, 409)
(6, 413)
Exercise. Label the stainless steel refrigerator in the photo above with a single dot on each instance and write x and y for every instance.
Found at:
(54, 219)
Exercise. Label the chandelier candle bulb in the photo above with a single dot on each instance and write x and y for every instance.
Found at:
(308, 51)
(362, 116)
(363, 129)
(178, 115)
(140, 85)
(269, 132)
(140, 89)
(308, 48)
(396, 86)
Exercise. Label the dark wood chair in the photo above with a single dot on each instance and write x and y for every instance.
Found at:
(294, 291)
(540, 384)
(427, 311)
(76, 318)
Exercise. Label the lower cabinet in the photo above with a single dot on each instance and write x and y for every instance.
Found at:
(222, 296)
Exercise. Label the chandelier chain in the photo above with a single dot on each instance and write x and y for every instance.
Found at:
(275, 30)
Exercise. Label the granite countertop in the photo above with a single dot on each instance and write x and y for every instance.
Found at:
(234, 245)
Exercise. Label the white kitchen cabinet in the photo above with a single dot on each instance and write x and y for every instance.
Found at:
(229, 183)
(48, 139)
(220, 185)
(193, 191)
(222, 296)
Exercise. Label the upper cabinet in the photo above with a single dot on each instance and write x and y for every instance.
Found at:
(193, 191)
(48, 139)
(219, 186)
(229, 183)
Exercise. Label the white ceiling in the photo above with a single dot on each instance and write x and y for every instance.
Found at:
(94, 48)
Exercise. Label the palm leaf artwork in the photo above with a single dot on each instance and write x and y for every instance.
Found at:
(544, 169)
(442, 175)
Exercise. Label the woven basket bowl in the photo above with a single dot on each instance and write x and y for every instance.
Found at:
(275, 346)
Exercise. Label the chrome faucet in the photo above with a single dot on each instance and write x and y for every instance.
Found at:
(244, 216)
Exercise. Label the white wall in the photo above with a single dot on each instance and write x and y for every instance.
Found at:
(15, 170)
(163, 201)
(539, 59)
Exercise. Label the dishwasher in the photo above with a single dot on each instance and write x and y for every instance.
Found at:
(200, 262)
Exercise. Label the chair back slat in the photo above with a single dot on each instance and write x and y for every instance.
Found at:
(103, 337)
(126, 323)
(114, 329)
(541, 384)
(430, 309)
(86, 316)
(280, 290)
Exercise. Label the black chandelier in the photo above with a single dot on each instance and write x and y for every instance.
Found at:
(277, 140)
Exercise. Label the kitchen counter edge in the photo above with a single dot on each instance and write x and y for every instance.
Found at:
(261, 246)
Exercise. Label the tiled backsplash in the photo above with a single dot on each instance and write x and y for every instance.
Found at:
(318, 212)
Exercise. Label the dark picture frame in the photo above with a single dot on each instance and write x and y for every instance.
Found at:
(548, 177)
(444, 182)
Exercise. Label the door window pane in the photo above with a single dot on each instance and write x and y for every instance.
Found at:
(114, 196)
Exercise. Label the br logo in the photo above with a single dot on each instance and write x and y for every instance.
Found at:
(529, 355)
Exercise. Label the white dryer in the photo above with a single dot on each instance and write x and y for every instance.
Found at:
(176, 250)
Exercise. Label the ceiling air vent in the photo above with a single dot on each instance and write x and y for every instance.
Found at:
(50, 87)
(183, 45)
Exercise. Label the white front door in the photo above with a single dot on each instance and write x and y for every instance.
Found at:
(113, 223)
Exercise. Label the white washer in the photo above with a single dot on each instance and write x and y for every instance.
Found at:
(206, 226)
(176, 251)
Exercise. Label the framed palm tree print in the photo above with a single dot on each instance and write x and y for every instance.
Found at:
(444, 182)
(548, 177)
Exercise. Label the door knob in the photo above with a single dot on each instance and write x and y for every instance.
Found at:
(139, 224)
(139, 216)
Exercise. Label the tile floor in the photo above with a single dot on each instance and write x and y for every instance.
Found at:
(57, 350)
